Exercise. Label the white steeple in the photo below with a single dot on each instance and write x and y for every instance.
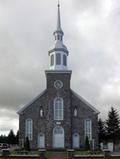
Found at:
(58, 52)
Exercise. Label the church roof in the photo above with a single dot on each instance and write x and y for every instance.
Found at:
(86, 102)
(31, 102)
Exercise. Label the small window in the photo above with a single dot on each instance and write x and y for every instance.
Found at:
(75, 113)
(41, 112)
(64, 60)
(52, 60)
(58, 59)
(58, 37)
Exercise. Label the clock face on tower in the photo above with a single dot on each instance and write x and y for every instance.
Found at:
(58, 84)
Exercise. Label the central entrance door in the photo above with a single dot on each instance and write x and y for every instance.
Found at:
(58, 137)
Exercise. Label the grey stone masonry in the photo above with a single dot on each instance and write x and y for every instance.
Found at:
(70, 123)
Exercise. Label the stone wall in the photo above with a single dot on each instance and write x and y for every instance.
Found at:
(46, 124)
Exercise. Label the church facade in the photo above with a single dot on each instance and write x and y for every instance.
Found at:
(58, 117)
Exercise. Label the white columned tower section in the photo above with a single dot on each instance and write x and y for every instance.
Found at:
(58, 52)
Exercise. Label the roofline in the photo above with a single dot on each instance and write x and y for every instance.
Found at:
(86, 102)
(31, 102)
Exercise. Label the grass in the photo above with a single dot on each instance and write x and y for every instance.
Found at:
(83, 152)
(48, 154)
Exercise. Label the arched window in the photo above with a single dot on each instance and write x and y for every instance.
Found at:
(41, 112)
(88, 129)
(64, 60)
(52, 60)
(58, 59)
(75, 113)
(58, 109)
(58, 130)
(29, 128)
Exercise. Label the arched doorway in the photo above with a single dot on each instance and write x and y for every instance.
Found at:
(76, 140)
(41, 140)
(58, 137)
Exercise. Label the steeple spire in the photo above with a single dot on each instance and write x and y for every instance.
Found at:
(58, 18)
(58, 52)
(58, 33)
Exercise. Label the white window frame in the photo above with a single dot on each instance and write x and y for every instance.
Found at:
(88, 129)
(29, 129)
(58, 109)
(75, 112)
(41, 112)
(58, 130)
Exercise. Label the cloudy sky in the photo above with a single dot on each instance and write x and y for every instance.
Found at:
(92, 35)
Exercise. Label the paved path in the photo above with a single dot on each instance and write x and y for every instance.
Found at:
(58, 155)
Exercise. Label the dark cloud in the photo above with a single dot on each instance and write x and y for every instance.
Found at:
(91, 34)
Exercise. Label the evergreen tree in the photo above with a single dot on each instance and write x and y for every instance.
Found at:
(101, 129)
(113, 125)
(11, 137)
(87, 143)
(3, 139)
(27, 144)
(17, 138)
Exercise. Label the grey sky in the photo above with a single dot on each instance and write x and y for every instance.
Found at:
(92, 36)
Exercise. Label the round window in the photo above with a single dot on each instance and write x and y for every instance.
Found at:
(58, 84)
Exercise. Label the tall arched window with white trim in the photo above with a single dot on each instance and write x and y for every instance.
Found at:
(29, 128)
(88, 129)
(58, 108)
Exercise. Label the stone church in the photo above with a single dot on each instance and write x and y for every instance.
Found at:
(58, 117)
